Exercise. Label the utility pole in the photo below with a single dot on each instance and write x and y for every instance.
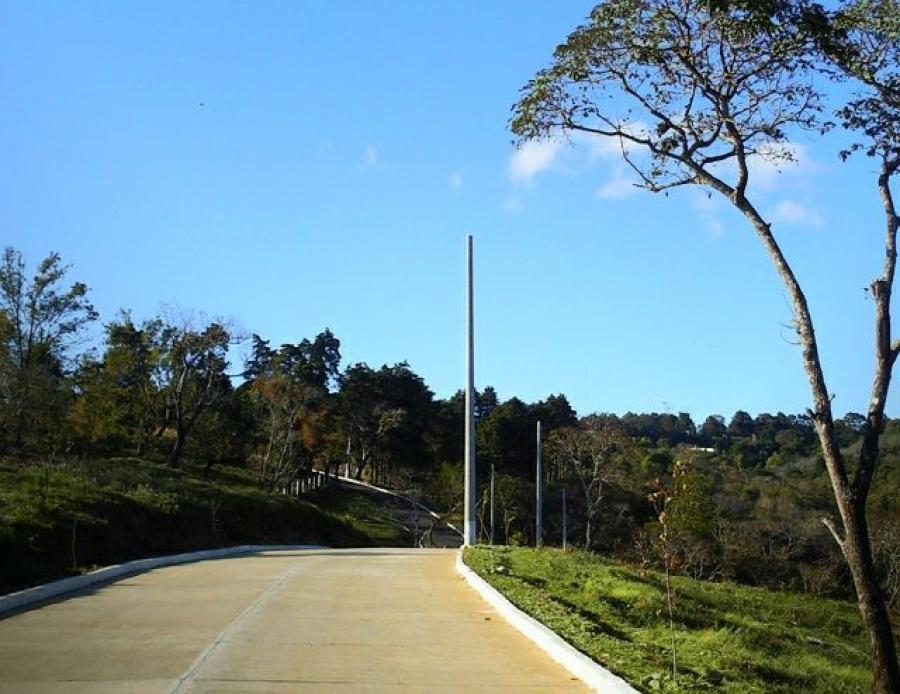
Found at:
(469, 515)
(538, 501)
(348, 457)
(565, 521)
(492, 504)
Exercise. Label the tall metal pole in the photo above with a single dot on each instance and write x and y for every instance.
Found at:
(492, 504)
(348, 456)
(469, 518)
(565, 521)
(539, 494)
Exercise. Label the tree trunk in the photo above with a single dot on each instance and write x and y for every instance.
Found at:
(850, 497)
(858, 554)
(177, 447)
(139, 449)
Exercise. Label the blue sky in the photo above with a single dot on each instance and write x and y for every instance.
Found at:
(340, 155)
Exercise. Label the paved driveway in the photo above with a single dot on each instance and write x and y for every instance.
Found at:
(312, 621)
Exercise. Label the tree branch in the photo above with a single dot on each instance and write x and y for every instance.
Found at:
(828, 523)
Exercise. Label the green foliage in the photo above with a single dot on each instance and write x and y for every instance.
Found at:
(39, 321)
(387, 415)
(127, 508)
(287, 392)
(656, 464)
(731, 638)
(632, 73)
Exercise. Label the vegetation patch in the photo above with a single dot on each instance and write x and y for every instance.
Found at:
(728, 637)
(63, 519)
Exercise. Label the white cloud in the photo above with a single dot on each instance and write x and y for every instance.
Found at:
(456, 181)
(531, 158)
(370, 155)
(793, 212)
(618, 187)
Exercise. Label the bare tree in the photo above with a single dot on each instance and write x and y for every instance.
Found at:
(595, 458)
(699, 97)
(281, 402)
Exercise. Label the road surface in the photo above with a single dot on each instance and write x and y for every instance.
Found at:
(372, 620)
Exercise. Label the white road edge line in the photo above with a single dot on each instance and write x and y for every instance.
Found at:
(30, 596)
(191, 673)
(594, 675)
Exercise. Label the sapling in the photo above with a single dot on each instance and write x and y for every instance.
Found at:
(664, 495)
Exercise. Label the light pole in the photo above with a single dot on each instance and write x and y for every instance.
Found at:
(539, 494)
(492, 504)
(469, 524)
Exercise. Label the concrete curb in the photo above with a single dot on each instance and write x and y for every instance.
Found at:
(595, 676)
(29, 596)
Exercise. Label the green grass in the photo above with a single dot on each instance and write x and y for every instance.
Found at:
(729, 638)
(57, 520)
(361, 510)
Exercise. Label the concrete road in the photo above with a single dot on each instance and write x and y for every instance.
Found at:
(373, 620)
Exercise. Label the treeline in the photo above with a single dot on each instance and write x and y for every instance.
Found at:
(167, 388)
(753, 490)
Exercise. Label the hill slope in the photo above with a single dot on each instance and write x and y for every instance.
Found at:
(56, 520)
(729, 638)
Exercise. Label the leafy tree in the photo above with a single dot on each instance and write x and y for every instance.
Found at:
(555, 412)
(227, 433)
(446, 435)
(656, 464)
(794, 442)
(850, 428)
(695, 95)
(191, 376)
(120, 404)
(687, 427)
(261, 357)
(713, 431)
(39, 323)
(386, 415)
(288, 389)
(485, 402)
(513, 499)
(741, 424)
(863, 44)
(744, 453)
(506, 438)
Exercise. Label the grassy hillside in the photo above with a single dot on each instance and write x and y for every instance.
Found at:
(56, 520)
(364, 511)
(729, 638)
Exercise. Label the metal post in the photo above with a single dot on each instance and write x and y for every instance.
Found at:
(470, 525)
(348, 457)
(539, 494)
(492, 504)
(565, 520)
